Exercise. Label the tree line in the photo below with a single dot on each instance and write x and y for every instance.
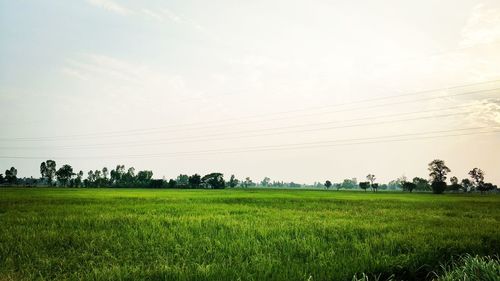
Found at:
(65, 176)
(438, 172)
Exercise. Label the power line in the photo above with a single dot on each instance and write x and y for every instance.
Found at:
(137, 131)
(274, 131)
(331, 143)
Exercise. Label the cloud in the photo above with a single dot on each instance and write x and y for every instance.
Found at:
(153, 15)
(74, 73)
(111, 6)
(167, 15)
(482, 27)
(121, 77)
(485, 112)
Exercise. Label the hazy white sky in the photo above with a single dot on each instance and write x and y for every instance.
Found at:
(292, 90)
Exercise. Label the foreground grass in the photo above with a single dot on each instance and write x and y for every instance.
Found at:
(126, 234)
(471, 268)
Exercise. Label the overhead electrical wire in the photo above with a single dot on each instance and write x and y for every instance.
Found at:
(331, 143)
(133, 132)
(257, 132)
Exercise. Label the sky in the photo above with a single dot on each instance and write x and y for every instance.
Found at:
(299, 91)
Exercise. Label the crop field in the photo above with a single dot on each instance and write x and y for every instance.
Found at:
(141, 234)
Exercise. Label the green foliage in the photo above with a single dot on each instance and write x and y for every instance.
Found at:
(328, 184)
(214, 180)
(237, 234)
(438, 170)
(438, 187)
(194, 181)
(408, 186)
(48, 170)
(183, 181)
(421, 184)
(364, 185)
(233, 182)
(64, 174)
(11, 175)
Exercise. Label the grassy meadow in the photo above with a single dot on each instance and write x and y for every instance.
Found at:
(144, 234)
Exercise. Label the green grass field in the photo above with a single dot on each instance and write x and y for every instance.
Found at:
(132, 234)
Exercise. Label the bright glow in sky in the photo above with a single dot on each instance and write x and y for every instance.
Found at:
(292, 90)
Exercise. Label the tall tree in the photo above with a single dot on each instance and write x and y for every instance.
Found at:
(11, 175)
(438, 171)
(421, 184)
(117, 174)
(90, 180)
(194, 181)
(105, 174)
(214, 180)
(233, 182)
(454, 186)
(328, 184)
(477, 176)
(364, 185)
(78, 180)
(248, 182)
(48, 170)
(265, 181)
(467, 185)
(64, 174)
(182, 181)
(144, 177)
(371, 178)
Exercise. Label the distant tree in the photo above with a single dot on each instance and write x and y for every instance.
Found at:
(438, 171)
(364, 185)
(438, 187)
(143, 177)
(233, 182)
(467, 185)
(11, 175)
(265, 181)
(194, 181)
(248, 182)
(477, 176)
(172, 183)
(374, 187)
(105, 174)
(129, 177)
(484, 187)
(328, 184)
(48, 170)
(64, 174)
(182, 181)
(116, 175)
(98, 181)
(2, 179)
(371, 178)
(159, 183)
(90, 180)
(77, 182)
(454, 186)
(214, 180)
(349, 183)
(421, 184)
(408, 186)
